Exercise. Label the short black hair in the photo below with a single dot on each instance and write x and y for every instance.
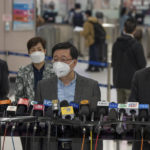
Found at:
(130, 25)
(77, 5)
(88, 12)
(66, 45)
(34, 41)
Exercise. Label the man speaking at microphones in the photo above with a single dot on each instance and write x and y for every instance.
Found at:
(68, 84)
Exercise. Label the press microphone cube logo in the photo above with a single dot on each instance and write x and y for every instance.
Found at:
(55, 101)
(74, 105)
(113, 105)
(102, 103)
(122, 105)
(5, 102)
(144, 106)
(38, 107)
(12, 108)
(47, 103)
(33, 102)
(23, 101)
(133, 105)
(67, 110)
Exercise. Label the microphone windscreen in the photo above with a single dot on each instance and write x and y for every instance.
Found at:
(113, 115)
(64, 103)
(84, 110)
(21, 110)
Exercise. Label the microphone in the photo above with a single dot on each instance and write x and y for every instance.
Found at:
(66, 110)
(143, 112)
(122, 109)
(102, 109)
(22, 107)
(113, 111)
(48, 108)
(55, 107)
(38, 110)
(3, 106)
(31, 106)
(143, 115)
(84, 109)
(133, 109)
(75, 108)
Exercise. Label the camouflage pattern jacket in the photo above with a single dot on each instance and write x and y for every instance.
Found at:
(24, 87)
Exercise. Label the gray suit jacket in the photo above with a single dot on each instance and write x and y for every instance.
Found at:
(85, 89)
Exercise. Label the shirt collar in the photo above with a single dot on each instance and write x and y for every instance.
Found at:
(35, 69)
(72, 82)
(131, 35)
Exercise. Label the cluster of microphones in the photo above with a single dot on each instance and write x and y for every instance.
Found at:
(104, 113)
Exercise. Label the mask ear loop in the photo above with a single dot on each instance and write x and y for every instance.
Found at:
(71, 62)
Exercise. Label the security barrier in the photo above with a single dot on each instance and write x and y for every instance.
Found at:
(102, 64)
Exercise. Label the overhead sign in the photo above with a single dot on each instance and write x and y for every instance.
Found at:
(23, 15)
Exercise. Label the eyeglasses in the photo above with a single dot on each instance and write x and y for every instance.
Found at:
(61, 60)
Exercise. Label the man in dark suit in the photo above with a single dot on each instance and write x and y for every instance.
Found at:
(4, 83)
(67, 85)
(140, 92)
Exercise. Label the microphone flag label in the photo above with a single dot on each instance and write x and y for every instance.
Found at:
(23, 101)
(38, 107)
(47, 103)
(67, 110)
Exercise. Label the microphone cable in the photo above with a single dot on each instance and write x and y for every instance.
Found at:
(83, 141)
(12, 131)
(91, 140)
(96, 141)
(5, 132)
(28, 125)
(12, 140)
(142, 143)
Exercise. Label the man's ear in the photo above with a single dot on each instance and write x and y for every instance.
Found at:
(75, 62)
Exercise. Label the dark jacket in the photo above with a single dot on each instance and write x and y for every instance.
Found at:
(141, 93)
(141, 86)
(4, 83)
(85, 89)
(127, 58)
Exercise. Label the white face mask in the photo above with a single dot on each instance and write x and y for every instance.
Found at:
(61, 69)
(37, 57)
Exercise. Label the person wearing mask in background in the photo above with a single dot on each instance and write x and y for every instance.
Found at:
(4, 82)
(89, 35)
(30, 75)
(140, 92)
(127, 58)
(50, 14)
(77, 16)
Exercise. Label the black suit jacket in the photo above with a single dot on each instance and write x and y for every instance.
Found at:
(141, 86)
(4, 84)
(85, 89)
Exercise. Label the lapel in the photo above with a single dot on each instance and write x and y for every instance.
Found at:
(54, 88)
(78, 89)
(30, 77)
